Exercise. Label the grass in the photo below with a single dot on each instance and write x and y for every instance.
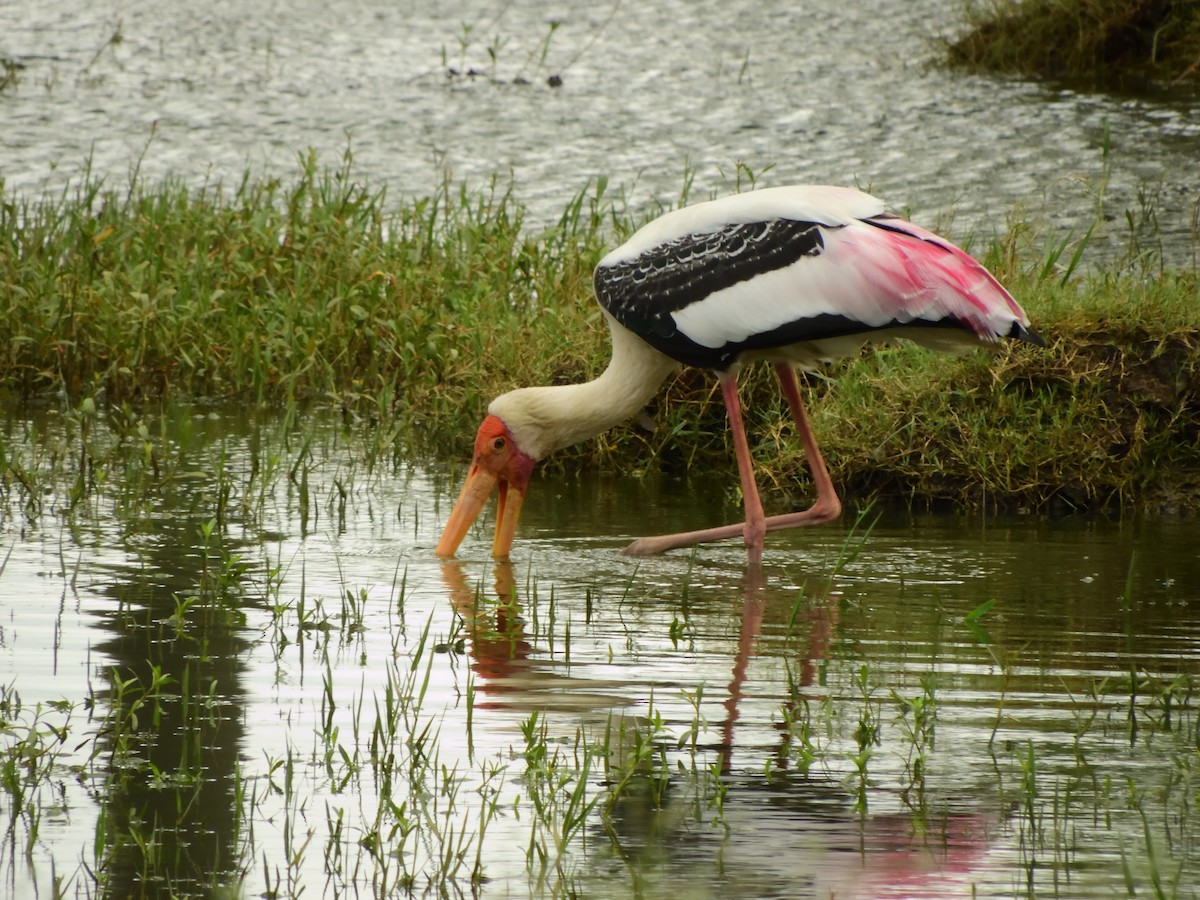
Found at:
(314, 290)
(1127, 43)
(413, 315)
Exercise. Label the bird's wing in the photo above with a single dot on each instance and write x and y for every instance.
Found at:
(706, 285)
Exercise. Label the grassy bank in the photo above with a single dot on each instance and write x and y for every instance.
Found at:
(320, 290)
(1111, 42)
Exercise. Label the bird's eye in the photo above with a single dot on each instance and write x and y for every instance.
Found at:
(498, 444)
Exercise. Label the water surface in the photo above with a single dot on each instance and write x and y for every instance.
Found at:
(932, 707)
(812, 92)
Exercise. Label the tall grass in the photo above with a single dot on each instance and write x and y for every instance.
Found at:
(314, 289)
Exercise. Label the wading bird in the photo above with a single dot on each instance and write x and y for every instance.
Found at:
(796, 276)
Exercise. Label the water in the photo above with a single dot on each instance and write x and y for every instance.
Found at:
(840, 93)
(262, 676)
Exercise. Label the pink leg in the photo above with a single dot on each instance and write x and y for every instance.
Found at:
(826, 508)
(755, 529)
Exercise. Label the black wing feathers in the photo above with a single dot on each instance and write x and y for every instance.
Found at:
(642, 293)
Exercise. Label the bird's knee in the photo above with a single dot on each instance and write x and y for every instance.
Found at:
(831, 510)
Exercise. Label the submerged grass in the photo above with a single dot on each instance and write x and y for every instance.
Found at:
(415, 314)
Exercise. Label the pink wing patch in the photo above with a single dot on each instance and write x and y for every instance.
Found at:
(931, 278)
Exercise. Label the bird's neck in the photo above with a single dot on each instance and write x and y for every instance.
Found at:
(545, 419)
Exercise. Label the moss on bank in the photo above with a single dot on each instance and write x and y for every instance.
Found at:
(1110, 42)
(320, 291)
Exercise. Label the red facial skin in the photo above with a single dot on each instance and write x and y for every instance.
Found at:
(498, 463)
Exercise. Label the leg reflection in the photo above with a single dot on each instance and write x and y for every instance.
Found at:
(822, 617)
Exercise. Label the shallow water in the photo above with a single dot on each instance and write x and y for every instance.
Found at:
(336, 708)
(824, 93)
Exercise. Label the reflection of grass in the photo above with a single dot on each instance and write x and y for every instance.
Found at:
(33, 745)
(10, 72)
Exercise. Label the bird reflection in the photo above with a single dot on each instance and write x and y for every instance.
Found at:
(808, 831)
(502, 654)
(508, 664)
(495, 632)
(752, 616)
(821, 616)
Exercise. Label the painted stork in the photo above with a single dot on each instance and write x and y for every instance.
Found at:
(793, 275)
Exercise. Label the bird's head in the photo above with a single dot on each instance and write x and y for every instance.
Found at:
(500, 464)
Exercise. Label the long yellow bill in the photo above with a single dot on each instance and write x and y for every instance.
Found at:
(475, 492)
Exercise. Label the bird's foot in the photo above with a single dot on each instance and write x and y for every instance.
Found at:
(818, 514)
(652, 546)
(643, 547)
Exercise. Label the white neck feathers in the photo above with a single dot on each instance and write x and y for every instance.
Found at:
(545, 419)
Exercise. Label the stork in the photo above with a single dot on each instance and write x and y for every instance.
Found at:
(796, 276)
